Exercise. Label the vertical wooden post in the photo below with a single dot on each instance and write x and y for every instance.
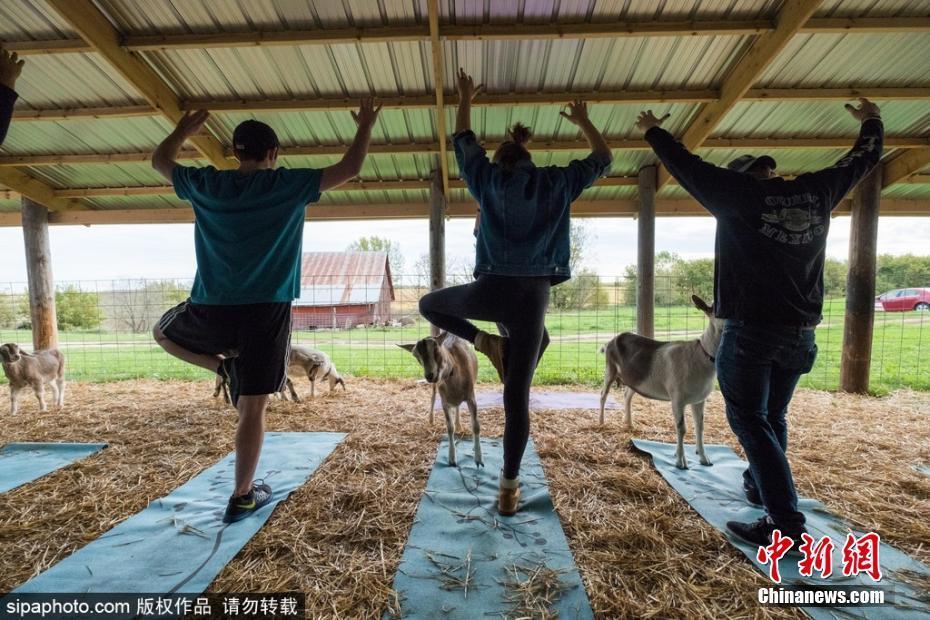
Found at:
(437, 236)
(860, 285)
(39, 275)
(646, 251)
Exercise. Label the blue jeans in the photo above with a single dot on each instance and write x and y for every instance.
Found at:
(758, 367)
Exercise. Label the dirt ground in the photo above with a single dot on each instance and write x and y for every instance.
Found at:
(642, 551)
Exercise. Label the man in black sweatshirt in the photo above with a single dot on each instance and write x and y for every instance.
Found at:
(768, 285)
(10, 68)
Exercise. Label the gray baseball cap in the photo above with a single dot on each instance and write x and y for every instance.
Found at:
(744, 162)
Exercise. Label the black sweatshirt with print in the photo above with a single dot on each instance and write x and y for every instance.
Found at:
(7, 99)
(771, 234)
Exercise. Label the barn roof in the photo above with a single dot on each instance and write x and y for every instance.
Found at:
(105, 81)
(344, 278)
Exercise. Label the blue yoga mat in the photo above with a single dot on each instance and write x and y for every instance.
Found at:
(178, 544)
(716, 494)
(924, 469)
(24, 462)
(457, 530)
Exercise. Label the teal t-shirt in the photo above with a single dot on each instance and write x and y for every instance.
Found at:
(248, 231)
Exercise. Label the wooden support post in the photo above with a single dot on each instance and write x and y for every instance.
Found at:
(39, 275)
(437, 236)
(860, 285)
(646, 250)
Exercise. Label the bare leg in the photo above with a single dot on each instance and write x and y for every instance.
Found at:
(249, 436)
(210, 362)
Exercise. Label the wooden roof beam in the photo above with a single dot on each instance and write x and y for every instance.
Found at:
(97, 30)
(903, 165)
(539, 146)
(792, 17)
(326, 104)
(439, 89)
(37, 191)
(382, 34)
(420, 210)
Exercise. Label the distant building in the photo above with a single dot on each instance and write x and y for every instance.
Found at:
(340, 290)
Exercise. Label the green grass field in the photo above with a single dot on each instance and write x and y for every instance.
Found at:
(901, 348)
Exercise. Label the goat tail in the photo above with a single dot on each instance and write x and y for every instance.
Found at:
(604, 349)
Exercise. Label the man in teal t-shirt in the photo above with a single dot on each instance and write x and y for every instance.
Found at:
(248, 229)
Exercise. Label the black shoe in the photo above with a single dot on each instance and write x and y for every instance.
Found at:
(227, 371)
(752, 495)
(759, 533)
(240, 507)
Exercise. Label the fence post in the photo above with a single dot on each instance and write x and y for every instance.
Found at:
(860, 285)
(437, 236)
(39, 275)
(646, 250)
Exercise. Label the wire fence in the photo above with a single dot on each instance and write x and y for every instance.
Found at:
(105, 329)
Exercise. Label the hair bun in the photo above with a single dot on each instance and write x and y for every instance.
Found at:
(520, 133)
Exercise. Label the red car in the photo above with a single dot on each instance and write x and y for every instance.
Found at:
(904, 300)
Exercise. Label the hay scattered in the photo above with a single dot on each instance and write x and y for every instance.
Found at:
(532, 590)
(642, 552)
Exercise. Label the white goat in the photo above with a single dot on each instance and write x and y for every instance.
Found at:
(452, 367)
(681, 372)
(34, 370)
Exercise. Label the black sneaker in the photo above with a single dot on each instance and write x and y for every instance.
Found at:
(227, 371)
(752, 495)
(244, 505)
(760, 533)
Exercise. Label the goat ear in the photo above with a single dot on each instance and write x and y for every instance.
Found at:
(407, 347)
(701, 305)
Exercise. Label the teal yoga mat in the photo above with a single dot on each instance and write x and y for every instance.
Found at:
(457, 529)
(715, 492)
(24, 462)
(178, 544)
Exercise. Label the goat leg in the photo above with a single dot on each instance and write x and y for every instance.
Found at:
(14, 400)
(697, 409)
(475, 430)
(610, 375)
(628, 408)
(678, 409)
(448, 412)
(40, 394)
(290, 387)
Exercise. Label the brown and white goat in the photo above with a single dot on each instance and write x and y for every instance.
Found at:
(451, 366)
(681, 372)
(24, 370)
(316, 365)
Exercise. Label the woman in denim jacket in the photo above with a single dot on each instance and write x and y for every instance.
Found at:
(523, 247)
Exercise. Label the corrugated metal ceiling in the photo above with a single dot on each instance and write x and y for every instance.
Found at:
(404, 68)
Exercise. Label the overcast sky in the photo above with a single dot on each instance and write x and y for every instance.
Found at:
(167, 251)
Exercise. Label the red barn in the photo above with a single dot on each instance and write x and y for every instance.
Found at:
(340, 290)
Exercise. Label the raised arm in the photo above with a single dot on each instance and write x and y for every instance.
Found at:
(467, 93)
(838, 179)
(10, 68)
(351, 163)
(577, 115)
(710, 185)
(165, 157)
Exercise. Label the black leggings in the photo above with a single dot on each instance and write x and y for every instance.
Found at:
(518, 304)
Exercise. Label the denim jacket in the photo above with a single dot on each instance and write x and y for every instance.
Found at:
(525, 227)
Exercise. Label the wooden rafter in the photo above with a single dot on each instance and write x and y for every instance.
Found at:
(420, 210)
(324, 104)
(37, 191)
(100, 34)
(904, 165)
(792, 17)
(382, 34)
(439, 87)
(539, 146)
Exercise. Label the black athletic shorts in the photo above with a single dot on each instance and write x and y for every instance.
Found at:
(260, 333)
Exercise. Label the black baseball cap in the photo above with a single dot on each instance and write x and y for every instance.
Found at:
(253, 139)
(744, 163)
